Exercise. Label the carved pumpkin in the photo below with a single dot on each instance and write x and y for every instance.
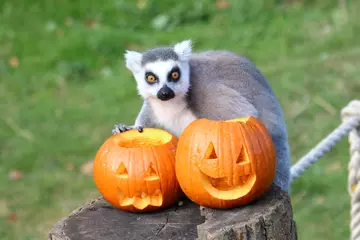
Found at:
(225, 164)
(136, 171)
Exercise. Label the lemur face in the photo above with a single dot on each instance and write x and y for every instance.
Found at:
(161, 73)
(164, 79)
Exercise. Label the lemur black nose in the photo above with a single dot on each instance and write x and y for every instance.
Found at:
(165, 93)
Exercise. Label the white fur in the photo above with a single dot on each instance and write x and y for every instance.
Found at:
(133, 61)
(183, 49)
(173, 114)
(161, 69)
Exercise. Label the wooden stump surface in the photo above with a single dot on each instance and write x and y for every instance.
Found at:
(270, 217)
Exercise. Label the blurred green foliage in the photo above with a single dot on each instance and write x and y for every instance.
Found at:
(63, 85)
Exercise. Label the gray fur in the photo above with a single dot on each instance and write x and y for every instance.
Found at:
(160, 53)
(226, 86)
(146, 116)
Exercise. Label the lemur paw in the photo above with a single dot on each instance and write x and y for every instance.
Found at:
(119, 128)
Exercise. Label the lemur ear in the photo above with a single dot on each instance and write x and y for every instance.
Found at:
(133, 60)
(183, 49)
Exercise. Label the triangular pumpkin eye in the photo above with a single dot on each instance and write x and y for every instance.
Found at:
(210, 152)
(121, 171)
(151, 173)
(242, 159)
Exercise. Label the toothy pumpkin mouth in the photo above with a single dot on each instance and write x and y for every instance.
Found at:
(141, 200)
(222, 189)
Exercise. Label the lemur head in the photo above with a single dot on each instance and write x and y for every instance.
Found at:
(162, 72)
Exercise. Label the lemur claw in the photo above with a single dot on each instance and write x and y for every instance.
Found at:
(140, 128)
(119, 128)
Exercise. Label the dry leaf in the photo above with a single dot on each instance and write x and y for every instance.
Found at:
(87, 168)
(69, 166)
(15, 175)
(20, 131)
(14, 62)
(68, 21)
(91, 23)
(320, 200)
(219, 20)
(221, 4)
(4, 210)
(12, 217)
(61, 86)
(141, 4)
(325, 105)
(299, 196)
(60, 32)
(333, 167)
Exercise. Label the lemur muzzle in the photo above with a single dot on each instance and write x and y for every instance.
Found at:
(165, 93)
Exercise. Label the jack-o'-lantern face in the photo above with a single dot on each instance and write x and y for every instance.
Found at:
(134, 171)
(147, 192)
(230, 180)
(224, 164)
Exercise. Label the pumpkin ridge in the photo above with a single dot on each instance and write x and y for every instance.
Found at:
(132, 170)
(156, 160)
(248, 147)
(232, 149)
(266, 146)
(218, 142)
(243, 147)
(259, 134)
(189, 163)
(229, 128)
(170, 165)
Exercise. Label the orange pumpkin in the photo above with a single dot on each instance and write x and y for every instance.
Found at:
(225, 164)
(136, 171)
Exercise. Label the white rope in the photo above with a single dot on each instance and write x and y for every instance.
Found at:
(352, 111)
(350, 116)
(323, 147)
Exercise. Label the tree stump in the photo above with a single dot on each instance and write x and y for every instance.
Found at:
(270, 217)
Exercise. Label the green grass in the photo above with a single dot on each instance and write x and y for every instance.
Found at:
(60, 103)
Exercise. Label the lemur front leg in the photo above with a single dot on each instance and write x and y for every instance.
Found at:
(144, 119)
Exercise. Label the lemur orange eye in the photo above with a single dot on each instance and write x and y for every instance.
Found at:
(175, 75)
(151, 78)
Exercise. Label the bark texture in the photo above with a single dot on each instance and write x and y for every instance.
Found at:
(270, 217)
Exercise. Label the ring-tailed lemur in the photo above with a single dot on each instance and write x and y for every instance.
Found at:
(179, 86)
